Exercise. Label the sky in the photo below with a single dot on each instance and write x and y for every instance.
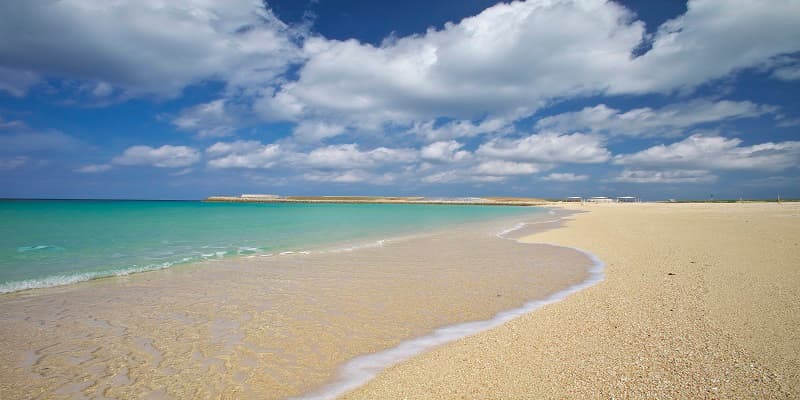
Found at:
(158, 99)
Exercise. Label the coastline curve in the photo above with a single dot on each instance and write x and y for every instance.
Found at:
(362, 369)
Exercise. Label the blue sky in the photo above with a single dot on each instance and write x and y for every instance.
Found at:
(181, 100)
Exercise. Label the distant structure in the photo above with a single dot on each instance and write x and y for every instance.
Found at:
(628, 199)
(574, 199)
(600, 199)
(260, 196)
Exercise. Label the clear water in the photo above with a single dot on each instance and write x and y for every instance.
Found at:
(49, 243)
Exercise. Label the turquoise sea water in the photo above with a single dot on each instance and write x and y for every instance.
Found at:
(48, 243)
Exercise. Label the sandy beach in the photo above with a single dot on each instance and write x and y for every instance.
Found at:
(699, 301)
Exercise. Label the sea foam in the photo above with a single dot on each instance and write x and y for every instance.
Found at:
(361, 370)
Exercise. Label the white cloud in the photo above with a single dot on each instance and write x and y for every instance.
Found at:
(713, 39)
(244, 154)
(483, 65)
(166, 156)
(670, 176)
(349, 156)
(315, 131)
(253, 154)
(646, 121)
(102, 89)
(513, 58)
(93, 168)
(501, 168)
(565, 177)
(444, 151)
(455, 176)
(548, 147)
(462, 128)
(351, 176)
(212, 119)
(716, 152)
(146, 46)
(788, 73)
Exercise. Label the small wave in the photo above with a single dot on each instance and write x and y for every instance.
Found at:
(247, 250)
(287, 253)
(377, 243)
(502, 234)
(216, 254)
(361, 370)
(61, 280)
(516, 227)
(25, 249)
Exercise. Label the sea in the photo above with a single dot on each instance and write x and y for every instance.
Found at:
(46, 243)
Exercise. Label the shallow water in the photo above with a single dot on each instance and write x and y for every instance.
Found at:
(55, 242)
(268, 326)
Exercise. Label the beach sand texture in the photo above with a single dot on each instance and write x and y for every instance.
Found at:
(699, 301)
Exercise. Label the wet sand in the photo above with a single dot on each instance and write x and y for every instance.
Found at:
(266, 327)
(700, 301)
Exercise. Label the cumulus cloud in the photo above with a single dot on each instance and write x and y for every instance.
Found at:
(145, 46)
(254, 154)
(670, 176)
(166, 156)
(482, 65)
(346, 156)
(314, 131)
(714, 38)
(548, 147)
(716, 153)
(444, 151)
(502, 168)
(212, 119)
(516, 57)
(565, 177)
(456, 176)
(646, 121)
(243, 154)
(352, 176)
(430, 131)
(788, 73)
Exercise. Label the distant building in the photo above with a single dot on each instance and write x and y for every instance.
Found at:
(574, 199)
(600, 199)
(627, 199)
(260, 196)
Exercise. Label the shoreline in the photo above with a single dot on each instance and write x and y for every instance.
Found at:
(65, 280)
(477, 201)
(362, 369)
(222, 321)
(699, 301)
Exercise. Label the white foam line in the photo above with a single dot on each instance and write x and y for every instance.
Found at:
(502, 234)
(361, 370)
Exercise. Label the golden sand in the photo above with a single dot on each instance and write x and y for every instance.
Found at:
(700, 301)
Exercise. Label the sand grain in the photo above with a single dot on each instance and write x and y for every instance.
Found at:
(700, 301)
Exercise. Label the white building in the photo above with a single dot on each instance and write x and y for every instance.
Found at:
(627, 199)
(260, 196)
(600, 199)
